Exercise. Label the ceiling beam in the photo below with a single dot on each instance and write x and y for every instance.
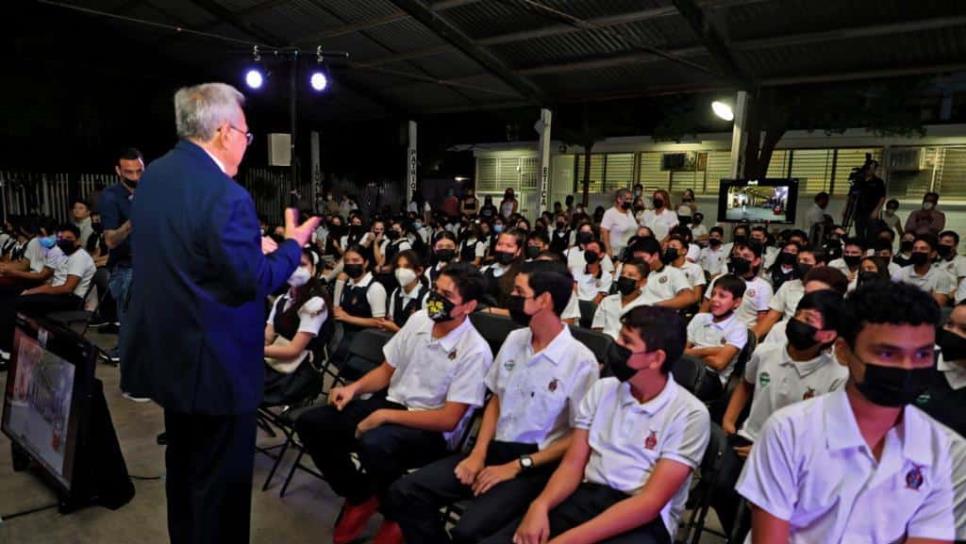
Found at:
(848, 33)
(709, 37)
(610, 62)
(420, 11)
(854, 75)
(398, 15)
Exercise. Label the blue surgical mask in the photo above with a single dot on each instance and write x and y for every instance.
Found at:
(48, 242)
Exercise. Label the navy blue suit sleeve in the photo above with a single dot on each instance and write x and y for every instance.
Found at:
(108, 208)
(236, 252)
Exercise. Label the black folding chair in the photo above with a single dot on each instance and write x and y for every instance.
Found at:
(587, 311)
(79, 320)
(708, 474)
(688, 373)
(595, 340)
(718, 406)
(493, 328)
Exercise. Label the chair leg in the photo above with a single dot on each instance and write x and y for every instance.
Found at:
(278, 461)
(291, 472)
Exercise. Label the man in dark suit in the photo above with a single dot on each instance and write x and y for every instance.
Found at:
(193, 337)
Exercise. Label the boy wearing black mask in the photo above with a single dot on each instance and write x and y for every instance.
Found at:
(949, 258)
(921, 273)
(561, 234)
(712, 258)
(852, 252)
(946, 395)
(629, 295)
(637, 439)
(745, 263)
(518, 445)
(860, 464)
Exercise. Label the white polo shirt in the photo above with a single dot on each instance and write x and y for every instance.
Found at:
(756, 299)
(621, 225)
(659, 223)
(813, 468)
(664, 284)
(694, 274)
(608, 315)
(572, 311)
(955, 267)
(80, 264)
(540, 392)
(957, 455)
(787, 298)
(590, 285)
(935, 280)
(41, 257)
(627, 438)
(776, 335)
(780, 381)
(713, 261)
(704, 332)
(575, 259)
(433, 371)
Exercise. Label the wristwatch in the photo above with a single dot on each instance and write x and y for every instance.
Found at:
(526, 462)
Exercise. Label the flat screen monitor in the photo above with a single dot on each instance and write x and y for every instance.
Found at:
(49, 379)
(768, 200)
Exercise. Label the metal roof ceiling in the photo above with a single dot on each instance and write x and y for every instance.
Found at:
(414, 56)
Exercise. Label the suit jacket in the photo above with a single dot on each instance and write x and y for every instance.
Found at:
(193, 335)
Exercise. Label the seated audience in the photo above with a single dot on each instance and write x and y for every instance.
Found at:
(946, 395)
(853, 249)
(746, 263)
(537, 243)
(717, 337)
(410, 296)
(785, 266)
(629, 295)
(676, 255)
(785, 301)
(817, 279)
(921, 273)
(666, 286)
(444, 253)
(508, 256)
(949, 258)
(361, 299)
(473, 244)
(593, 283)
(713, 257)
(575, 254)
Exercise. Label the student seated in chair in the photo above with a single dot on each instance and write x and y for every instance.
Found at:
(630, 295)
(717, 337)
(538, 379)
(638, 437)
(434, 372)
(410, 296)
(294, 322)
(860, 464)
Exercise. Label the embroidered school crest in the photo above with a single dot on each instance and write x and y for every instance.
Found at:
(724, 340)
(914, 478)
(763, 379)
(553, 385)
(663, 279)
(923, 399)
(452, 355)
(809, 393)
(651, 441)
(751, 293)
(508, 365)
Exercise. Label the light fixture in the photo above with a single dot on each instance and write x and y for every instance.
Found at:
(723, 110)
(319, 79)
(254, 77)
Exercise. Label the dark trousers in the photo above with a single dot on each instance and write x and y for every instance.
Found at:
(209, 477)
(385, 452)
(34, 306)
(415, 499)
(584, 505)
(725, 499)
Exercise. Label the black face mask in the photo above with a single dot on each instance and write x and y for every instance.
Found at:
(517, 313)
(891, 386)
(658, 203)
(952, 345)
(852, 260)
(444, 255)
(788, 259)
(638, 208)
(532, 252)
(67, 246)
(355, 229)
(670, 255)
(944, 251)
(97, 228)
(905, 246)
(438, 307)
(392, 235)
(625, 205)
(739, 266)
(801, 335)
(131, 184)
(505, 257)
(919, 258)
(740, 239)
(561, 225)
(591, 257)
(616, 359)
(714, 242)
(867, 276)
(802, 269)
(626, 286)
(584, 237)
(354, 271)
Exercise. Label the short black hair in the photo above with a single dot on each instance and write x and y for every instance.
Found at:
(550, 256)
(855, 241)
(129, 154)
(411, 257)
(519, 236)
(754, 246)
(878, 303)
(820, 196)
(927, 237)
(828, 303)
(892, 203)
(647, 245)
(661, 329)
(69, 227)
(468, 279)
(682, 231)
(539, 235)
(952, 233)
(550, 277)
(832, 277)
(881, 245)
(717, 229)
(732, 284)
(362, 251)
(641, 266)
(80, 200)
(444, 234)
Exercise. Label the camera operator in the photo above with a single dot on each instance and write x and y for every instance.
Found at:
(869, 192)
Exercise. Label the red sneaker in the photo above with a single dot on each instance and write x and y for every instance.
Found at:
(352, 520)
(389, 533)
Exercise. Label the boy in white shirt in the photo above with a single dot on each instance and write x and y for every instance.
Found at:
(712, 258)
(666, 286)
(746, 263)
(638, 437)
(718, 337)
(921, 273)
(860, 464)
(607, 317)
(676, 254)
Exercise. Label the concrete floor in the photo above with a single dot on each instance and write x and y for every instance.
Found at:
(305, 515)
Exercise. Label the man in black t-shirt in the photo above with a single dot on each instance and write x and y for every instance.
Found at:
(870, 193)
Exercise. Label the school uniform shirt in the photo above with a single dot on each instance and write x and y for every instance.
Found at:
(540, 392)
(934, 280)
(813, 468)
(705, 332)
(694, 251)
(814, 215)
(664, 284)
(713, 261)
(590, 285)
(699, 230)
(607, 316)
(957, 456)
(575, 259)
(429, 372)
(956, 267)
(432, 272)
(418, 293)
(693, 273)
(627, 438)
(787, 298)
(80, 264)
(780, 381)
(312, 314)
(41, 257)
(756, 299)
(771, 255)
(839, 264)
(659, 223)
(572, 311)
(478, 248)
(621, 225)
(375, 295)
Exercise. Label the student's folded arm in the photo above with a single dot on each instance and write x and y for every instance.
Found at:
(720, 357)
(739, 398)
(443, 419)
(680, 301)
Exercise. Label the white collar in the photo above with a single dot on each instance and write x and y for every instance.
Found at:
(363, 281)
(217, 162)
(449, 341)
(722, 325)
(955, 372)
(650, 407)
(555, 350)
(414, 294)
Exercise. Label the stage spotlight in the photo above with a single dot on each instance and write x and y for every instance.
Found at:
(254, 78)
(319, 80)
(723, 110)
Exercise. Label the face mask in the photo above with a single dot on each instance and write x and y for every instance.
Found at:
(670, 255)
(498, 228)
(354, 271)
(787, 258)
(697, 219)
(97, 228)
(658, 203)
(132, 184)
(300, 277)
(944, 251)
(890, 213)
(852, 260)
(905, 246)
(803, 269)
(591, 257)
(867, 276)
(417, 225)
(584, 237)
(561, 225)
(928, 206)
(67, 246)
(439, 308)
(392, 235)
(625, 205)
(714, 242)
(616, 359)
(48, 242)
(739, 266)
(891, 386)
(740, 239)
(532, 252)
(445, 255)
(505, 257)
(517, 313)
(355, 229)
(801, 335)
(626, 286)
(952, 345)
(919, 258)
(405, 276)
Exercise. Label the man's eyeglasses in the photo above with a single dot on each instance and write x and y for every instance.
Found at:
(249, 137)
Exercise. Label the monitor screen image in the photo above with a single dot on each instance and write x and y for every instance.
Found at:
(758, 201)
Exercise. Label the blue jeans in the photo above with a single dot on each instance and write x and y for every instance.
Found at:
(120, 286)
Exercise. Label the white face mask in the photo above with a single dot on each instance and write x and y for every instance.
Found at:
(405, 276)
(300, 277)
